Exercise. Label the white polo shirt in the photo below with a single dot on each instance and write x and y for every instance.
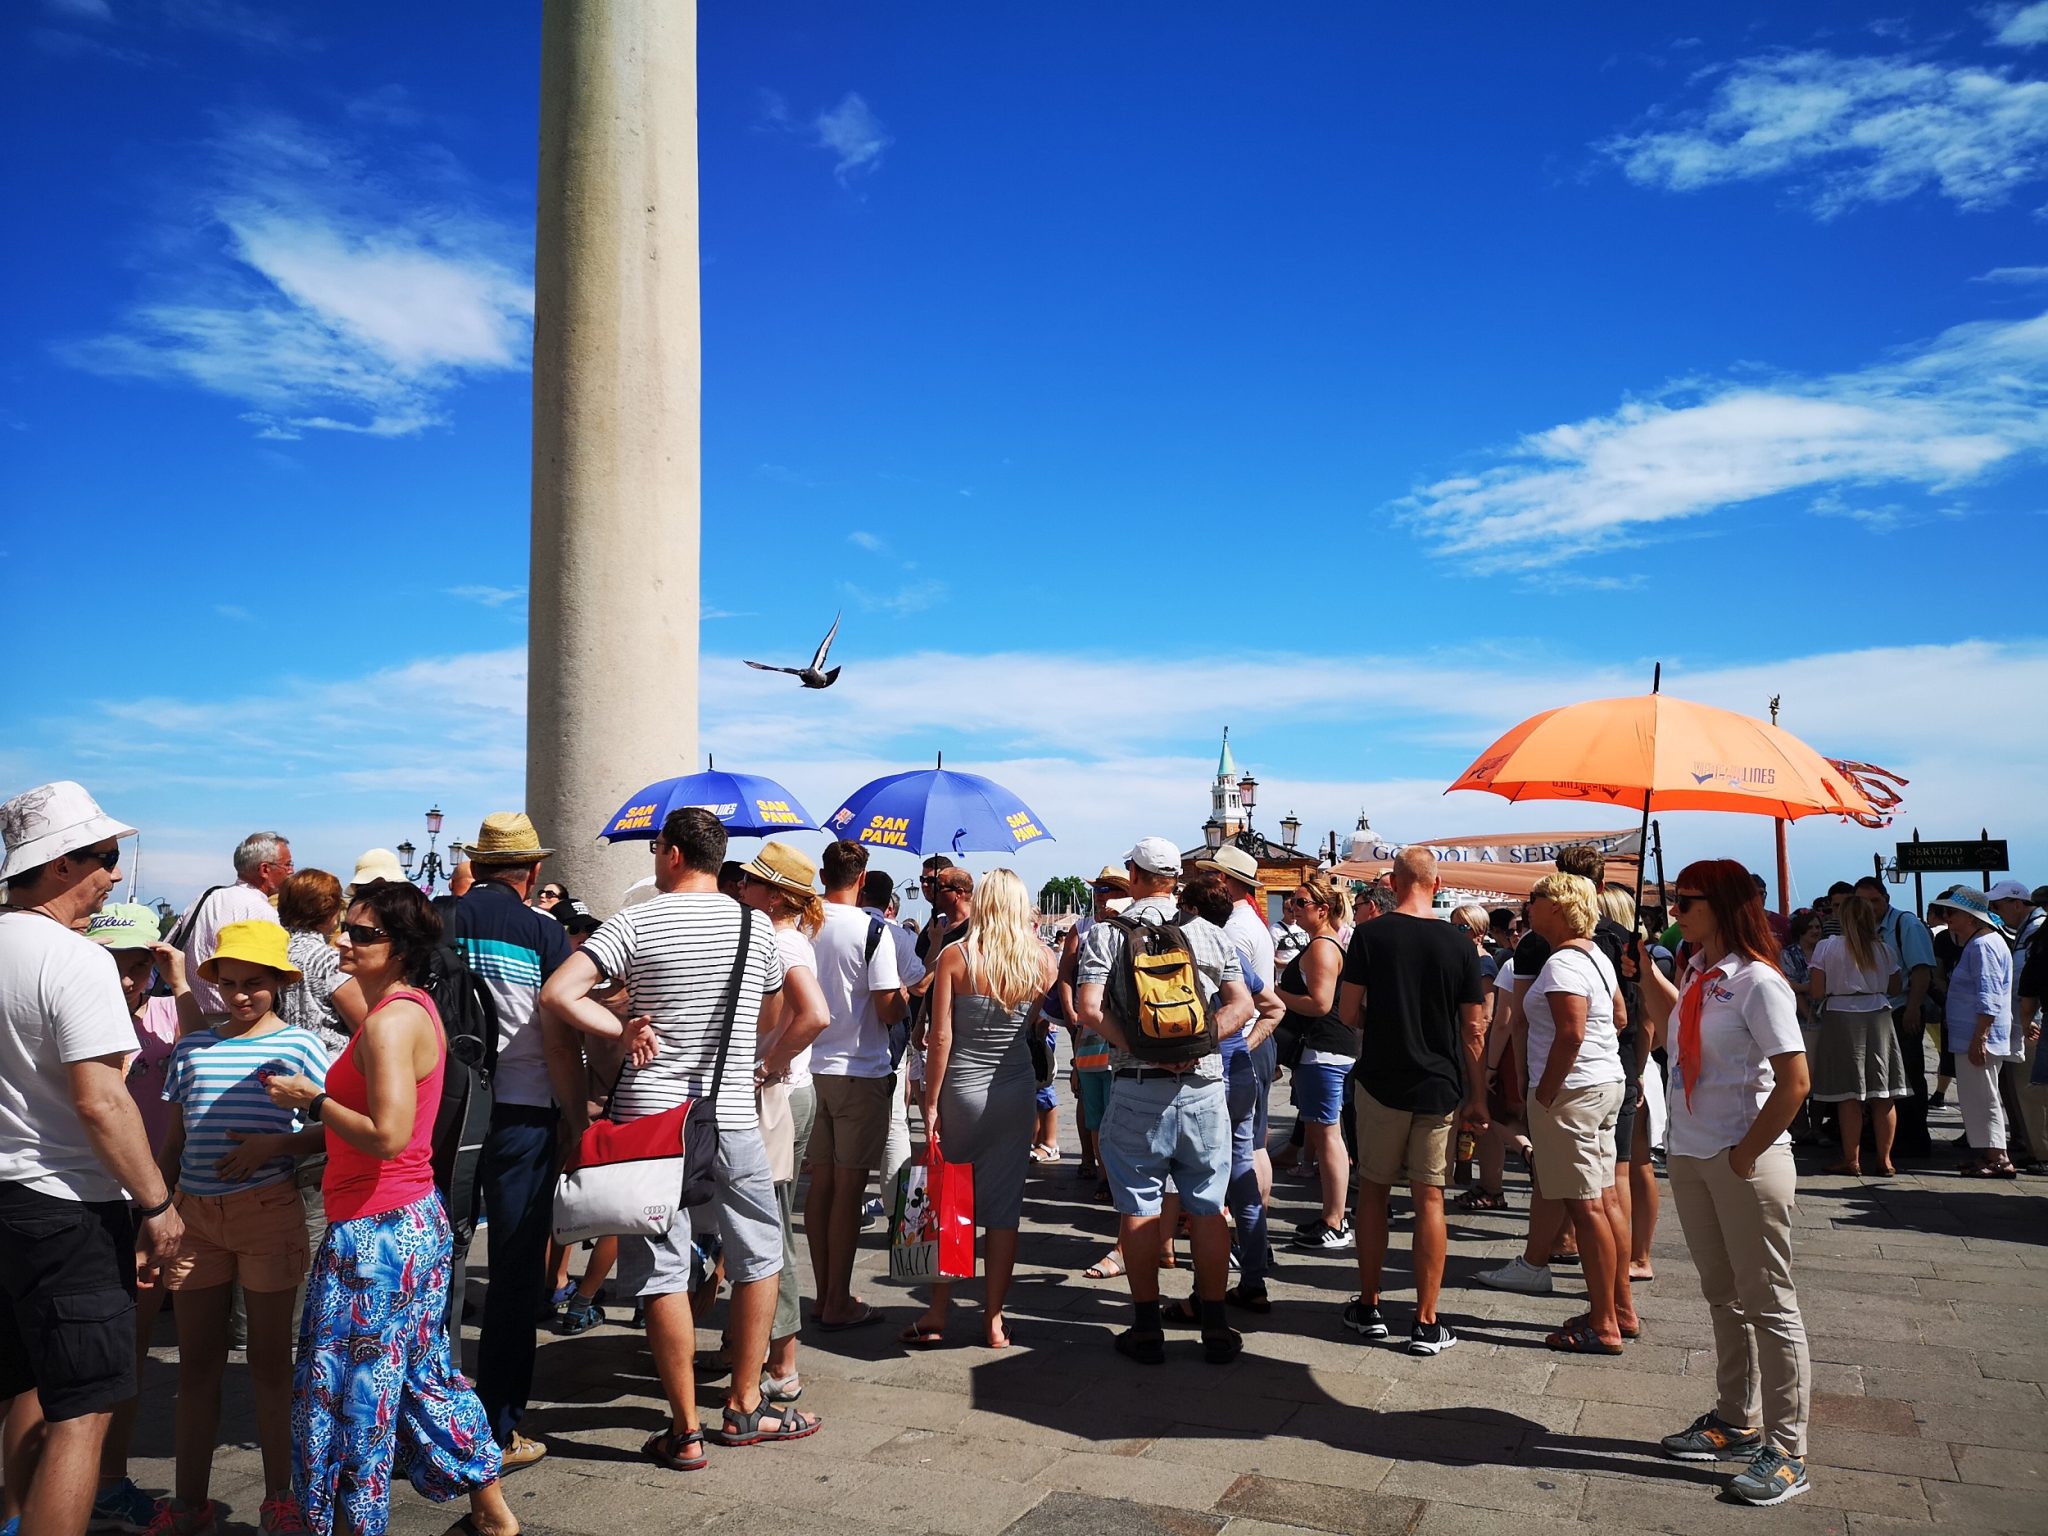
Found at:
(1748, 1017)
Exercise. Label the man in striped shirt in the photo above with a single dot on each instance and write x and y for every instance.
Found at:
(699, 1006)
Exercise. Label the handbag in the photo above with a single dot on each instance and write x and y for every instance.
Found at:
(778, 1130)
(629, 1180)
(931, 1231)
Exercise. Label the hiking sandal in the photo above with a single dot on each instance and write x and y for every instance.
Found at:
(745, 1428)
(669, 1449)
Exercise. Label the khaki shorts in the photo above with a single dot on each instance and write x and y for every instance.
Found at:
(1397, 1147)
(1573, 1141)
(852, 1127)
(257, 1236)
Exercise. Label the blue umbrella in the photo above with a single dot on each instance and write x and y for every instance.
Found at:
(748, 804)
(934, 810)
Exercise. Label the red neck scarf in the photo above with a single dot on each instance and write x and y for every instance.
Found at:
(1690, 1007)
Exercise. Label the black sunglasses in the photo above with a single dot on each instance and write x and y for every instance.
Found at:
(106, 858)
(363, 933)
(1684, 903)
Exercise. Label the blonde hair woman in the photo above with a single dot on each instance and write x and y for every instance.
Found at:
(1856, 1055)
(979, 1085)
(1575, 1091)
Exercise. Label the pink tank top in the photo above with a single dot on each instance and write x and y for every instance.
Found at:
(357, 1184)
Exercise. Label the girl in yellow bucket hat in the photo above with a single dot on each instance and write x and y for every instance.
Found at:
(231, 1150)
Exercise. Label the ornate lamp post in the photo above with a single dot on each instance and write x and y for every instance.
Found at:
(1212, 834)
(431, 868)
(1290, 830)
(1247, 795)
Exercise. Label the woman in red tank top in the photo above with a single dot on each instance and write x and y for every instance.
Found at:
(374, 1328)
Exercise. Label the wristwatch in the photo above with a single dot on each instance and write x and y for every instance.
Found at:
(313, 1109)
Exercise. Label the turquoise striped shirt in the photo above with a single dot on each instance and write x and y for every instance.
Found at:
(212, 1078)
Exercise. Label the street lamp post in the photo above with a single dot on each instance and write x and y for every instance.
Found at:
(431, 868)
(1212, 834)
(1290, 830)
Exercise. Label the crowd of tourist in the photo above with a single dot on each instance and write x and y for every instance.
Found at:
(243, 1118)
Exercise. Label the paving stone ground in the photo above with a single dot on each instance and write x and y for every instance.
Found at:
(1924, 1297)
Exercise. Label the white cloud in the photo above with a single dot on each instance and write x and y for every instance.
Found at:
(322, 295)
(873, 543)
(1848, 130)
(2023, 26)
(912, 597)
(1102, 748)
(2021, 275)
(489, 597)
(853, 135)
(1974, 398)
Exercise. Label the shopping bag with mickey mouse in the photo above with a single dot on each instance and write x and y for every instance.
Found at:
(931, 1230)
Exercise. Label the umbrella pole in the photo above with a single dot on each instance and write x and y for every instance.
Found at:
(1642, 847)
(1784, 864)
(1657, 834)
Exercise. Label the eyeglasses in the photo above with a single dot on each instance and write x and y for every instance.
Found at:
(363, 933)
(106, 858)
(1683, 902)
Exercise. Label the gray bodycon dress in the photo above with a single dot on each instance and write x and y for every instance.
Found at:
(986, 1113)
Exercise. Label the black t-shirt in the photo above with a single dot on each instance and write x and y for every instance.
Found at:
(1419, 976)
(1530, 955)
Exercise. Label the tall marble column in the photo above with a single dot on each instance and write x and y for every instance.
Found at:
(612, 648)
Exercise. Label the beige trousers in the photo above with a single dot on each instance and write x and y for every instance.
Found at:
(1740, 1234)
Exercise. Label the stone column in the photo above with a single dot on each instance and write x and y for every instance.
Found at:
(612, 644)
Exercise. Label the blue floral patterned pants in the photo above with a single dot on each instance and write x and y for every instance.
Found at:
(375, 1384)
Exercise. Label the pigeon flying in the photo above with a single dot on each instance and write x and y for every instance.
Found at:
(815, 675)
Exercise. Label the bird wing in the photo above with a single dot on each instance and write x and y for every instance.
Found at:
(762, 666)
(818, 661)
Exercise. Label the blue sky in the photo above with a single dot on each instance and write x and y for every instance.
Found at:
(1361, 377)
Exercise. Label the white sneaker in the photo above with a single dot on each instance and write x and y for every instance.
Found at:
(1518, 1274)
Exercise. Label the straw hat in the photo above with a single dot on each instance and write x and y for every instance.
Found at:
(50, 821)
(781, 866)
(376, 864)
(123, 925)
(508, 837)
(257, 943)
(1234, 862)
(1113, 875)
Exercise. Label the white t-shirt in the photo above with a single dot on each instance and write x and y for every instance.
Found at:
(908, 966)
(1579, 973)
(1850, 989)
(237, 903)
(676, 953)
(1747, 1017)
(60, 1002)
(856, 1042)
(1248, 931)
(798, 954)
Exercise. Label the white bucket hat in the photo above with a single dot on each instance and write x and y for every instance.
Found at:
(50, 821)
(376, 864)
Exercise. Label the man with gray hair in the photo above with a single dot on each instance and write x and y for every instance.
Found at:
(263, 862)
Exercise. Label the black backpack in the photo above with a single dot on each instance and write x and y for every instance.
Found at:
(469, 1021)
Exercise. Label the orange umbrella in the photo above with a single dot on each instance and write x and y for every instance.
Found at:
(1651, 752)
(1656, 753)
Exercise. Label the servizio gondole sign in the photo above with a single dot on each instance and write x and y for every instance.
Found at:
(1502, 850)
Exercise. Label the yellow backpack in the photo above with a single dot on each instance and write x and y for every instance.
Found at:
(1157, 996)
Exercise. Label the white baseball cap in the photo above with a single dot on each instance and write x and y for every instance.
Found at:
(1155, 855)
(2009, 890)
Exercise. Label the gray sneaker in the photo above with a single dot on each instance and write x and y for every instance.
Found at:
(1707, 1438)
(1771, 1478)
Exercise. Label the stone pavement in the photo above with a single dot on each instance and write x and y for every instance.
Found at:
(1924, 1297)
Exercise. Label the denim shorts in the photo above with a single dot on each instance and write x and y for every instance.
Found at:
(1167, 1128)
(1319, 1091)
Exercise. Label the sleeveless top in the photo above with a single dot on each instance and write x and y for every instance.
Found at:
(1324, 1032)
(357, 1184)
(988, 1039)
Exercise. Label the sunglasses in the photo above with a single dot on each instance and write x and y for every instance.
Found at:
(363, 933)
(1684, 903)
(106, 858)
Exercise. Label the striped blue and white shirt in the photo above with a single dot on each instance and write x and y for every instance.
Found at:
(513, 949)
(212, 1078)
